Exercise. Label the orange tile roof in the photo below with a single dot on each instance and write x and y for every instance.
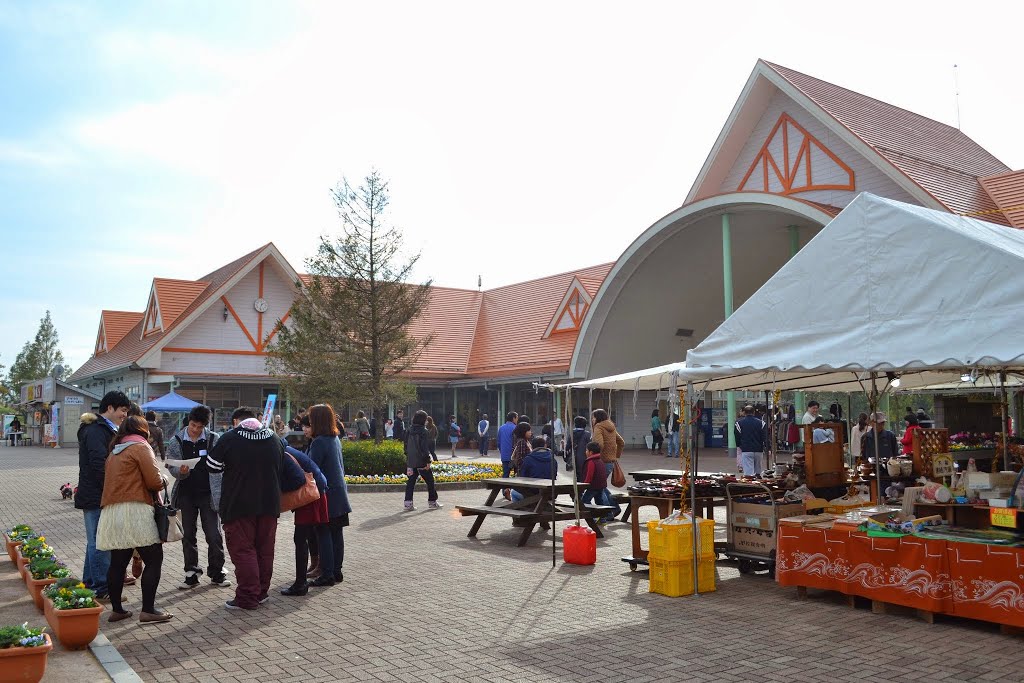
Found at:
(174, 296)
(1007, 191)
(510, 332)
(451, 317)
(116, 324)
(132, 346)
(939, 158)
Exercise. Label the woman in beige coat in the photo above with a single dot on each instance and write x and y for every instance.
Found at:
(127, 524)
(612, 443)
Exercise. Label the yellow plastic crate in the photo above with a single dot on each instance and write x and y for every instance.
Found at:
(676, 578)
(674, 542)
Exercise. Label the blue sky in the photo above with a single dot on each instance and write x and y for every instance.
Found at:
(166, 138)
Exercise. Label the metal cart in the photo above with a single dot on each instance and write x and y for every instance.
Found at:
(751, 560)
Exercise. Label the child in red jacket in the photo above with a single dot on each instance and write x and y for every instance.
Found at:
(594, 474)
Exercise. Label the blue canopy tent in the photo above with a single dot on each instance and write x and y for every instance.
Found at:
(171, 403)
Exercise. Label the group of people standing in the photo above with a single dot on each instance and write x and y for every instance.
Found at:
(231, 485)
(662, 432)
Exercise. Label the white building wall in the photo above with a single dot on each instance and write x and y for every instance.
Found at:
(128, 381)
(867, 178)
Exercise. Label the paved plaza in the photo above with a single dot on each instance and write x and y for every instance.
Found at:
(423, 603)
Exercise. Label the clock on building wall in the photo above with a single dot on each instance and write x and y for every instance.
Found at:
(261, 305)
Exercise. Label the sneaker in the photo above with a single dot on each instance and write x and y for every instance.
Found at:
(191, 581)
(434, 505)
(221, 581)
(409, 507)
(232, 604)
(264, 599)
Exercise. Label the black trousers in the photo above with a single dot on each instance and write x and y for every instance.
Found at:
(153, 559)
(195, 509)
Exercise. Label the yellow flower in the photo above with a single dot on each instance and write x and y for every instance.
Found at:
(80, 585)
(42, 538)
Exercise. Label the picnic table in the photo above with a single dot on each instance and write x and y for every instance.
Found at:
(535, 508)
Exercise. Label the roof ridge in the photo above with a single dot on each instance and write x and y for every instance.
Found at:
(575, 272)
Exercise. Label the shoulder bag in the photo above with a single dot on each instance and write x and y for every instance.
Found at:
(618, 477)
(168, 519)
(304, 495)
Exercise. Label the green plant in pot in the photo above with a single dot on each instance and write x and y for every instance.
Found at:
(72, 612)
(35, 547)
(42, 572)
(23, 652)
(14, 538)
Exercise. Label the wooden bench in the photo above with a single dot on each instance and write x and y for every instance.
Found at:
(468, 510)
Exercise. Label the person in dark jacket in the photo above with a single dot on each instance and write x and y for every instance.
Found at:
(325, 451)
(417, 462)
(309, 519)
(250, 460)
(156, 435)
(576, 447)
(94, 435)
(192, 495)
(888, 446)
(749, 432)
(539, 463)
(398, 429)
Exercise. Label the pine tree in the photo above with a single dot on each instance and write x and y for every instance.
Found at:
(348, 339)
(38, 357)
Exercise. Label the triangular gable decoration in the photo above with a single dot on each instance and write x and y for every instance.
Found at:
(571, 311)
(101, 339)
(153, 322)
(792, 160)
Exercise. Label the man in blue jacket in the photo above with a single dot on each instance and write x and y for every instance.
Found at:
(94, 435)
(505, 441)
(749, 431)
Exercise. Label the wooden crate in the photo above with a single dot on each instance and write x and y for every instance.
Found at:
(825, 462)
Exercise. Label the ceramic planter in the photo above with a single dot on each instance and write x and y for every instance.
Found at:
(12, 550)
(23, 567)
(24, 664)
(35, 589)
(74, 628)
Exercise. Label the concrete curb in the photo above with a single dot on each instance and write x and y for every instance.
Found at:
(112, 661)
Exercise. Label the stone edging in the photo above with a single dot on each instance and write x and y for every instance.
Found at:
(392, 488)
(112, 661)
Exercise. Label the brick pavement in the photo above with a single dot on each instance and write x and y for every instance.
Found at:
(423, 603)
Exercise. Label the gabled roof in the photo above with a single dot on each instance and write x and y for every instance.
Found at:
(935, 163)
(133, 345)
(174, 296)
(1007, 191)
(451, 317)
(513, 319)
(114, 325)
(940, 159)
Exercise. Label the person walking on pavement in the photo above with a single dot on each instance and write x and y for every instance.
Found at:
(432, 436)
(94, 435)
(657, 438)
(417, 462)
(156, 435)
(482, 428)
(749, 433)
(251, 460)
(611, 443)
(576, 448)
(192, 495)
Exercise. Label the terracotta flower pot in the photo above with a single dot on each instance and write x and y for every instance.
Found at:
(24, 664)
(12, 549)
(23, 567)
(35, 589)
(74, 628)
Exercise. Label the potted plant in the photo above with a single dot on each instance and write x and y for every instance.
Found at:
(72, 612)
(44, 571)
(23, 653)
(15, 537)
(31, 549)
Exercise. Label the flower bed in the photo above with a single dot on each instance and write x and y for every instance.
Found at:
(444, 472)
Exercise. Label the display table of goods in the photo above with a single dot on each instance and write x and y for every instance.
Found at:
(973, 573)
(671, 552)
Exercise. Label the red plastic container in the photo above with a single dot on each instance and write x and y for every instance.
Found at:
(579, 545)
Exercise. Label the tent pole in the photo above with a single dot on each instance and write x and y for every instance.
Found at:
(873, 402)
(554, 472)
(692, 474)
(1002, 426)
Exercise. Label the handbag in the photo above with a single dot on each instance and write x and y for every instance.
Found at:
(168, 519)
(304, 495)
(618, 477)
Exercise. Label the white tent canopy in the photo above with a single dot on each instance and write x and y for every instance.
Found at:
(884, 287)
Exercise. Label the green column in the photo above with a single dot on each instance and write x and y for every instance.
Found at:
(730, 397)
(500, 419)
(799, 400)
(455, 404)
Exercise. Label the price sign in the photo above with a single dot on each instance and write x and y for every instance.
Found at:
(1004, 517)
(942, 465)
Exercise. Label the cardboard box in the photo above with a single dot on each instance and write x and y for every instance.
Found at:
(757, 516)
(754, 541)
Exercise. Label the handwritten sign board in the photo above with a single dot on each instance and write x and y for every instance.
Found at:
(942, 465)
(1003, 517)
